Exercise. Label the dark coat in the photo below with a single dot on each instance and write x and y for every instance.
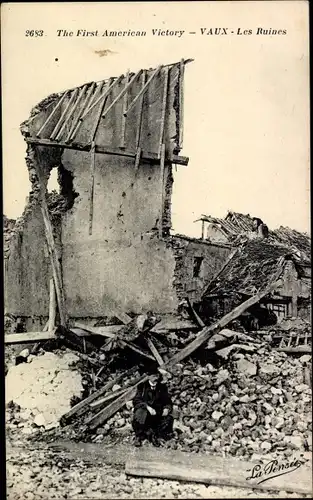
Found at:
(157, 398)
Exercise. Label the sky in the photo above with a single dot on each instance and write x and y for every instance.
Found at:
(246, 116)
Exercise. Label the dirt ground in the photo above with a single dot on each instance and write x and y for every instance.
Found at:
(37, 472)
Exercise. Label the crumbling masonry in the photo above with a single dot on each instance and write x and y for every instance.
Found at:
(110, 248)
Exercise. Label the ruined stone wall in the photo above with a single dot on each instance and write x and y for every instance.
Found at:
(122, 262)
(187, 251)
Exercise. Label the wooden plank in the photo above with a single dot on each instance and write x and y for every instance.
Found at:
(98, 116)
(181, 103)
(139, 123)
(70, 114)
(136, 349)
(125, 103)
(110, 410)
(162, 162)
(105, 331)
(194, 314)
(202, 230)
(92, 185)
(111, 330)
(137, 159)
(55, 263)
(206, 333)
(216, 470)
(305, 349)
(83, 405)
(154, 351)
(79, 120)
(163, 112)
(52, 307)
(106, 399)
(103, 96)
(29, 337)
(55, 109)
(76, 120)
(121, 94)
(146, 155)
(144, 89)
(59, 124)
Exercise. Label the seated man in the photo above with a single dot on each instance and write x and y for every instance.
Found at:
(152, 411)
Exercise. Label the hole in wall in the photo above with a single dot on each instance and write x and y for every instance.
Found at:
(53, 184)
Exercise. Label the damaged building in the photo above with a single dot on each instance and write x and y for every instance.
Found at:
(105, 237)
(257, 256)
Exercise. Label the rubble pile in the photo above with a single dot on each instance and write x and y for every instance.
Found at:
(258, 403)
(41, 390)
(237, 395)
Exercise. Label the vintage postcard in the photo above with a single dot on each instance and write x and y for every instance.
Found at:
(157, 250)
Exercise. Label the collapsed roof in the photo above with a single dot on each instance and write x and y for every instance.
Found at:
(235, 225)
(251, 268)
(116, 116)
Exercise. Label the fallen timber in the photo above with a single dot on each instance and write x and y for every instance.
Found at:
(204, 335)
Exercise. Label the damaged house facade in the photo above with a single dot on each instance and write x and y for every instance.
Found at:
(105, 237)
(253, 265)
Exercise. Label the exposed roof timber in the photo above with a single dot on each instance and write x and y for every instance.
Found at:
(184, 61)
(179, 160)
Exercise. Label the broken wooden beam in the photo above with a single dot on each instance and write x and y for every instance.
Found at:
(110, 410)
(106, 399)
(135, 348)
(194, 314)
(81, 407)
(146, 155)
(154, 351)
(215, 470)
(49, 118)
(205, 334)
(29, 337)
(60, 122)
(202, 337)
(105, 331)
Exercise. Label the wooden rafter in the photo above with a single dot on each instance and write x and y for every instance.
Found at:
(139, 123)
(60, 122)
(125, 102)
(163, 110)
(122, 93)
(49, 118)
(143, 90)
(70, 114)
(78, 120)
(181, 102)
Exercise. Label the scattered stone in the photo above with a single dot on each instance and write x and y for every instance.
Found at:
(246, 367)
